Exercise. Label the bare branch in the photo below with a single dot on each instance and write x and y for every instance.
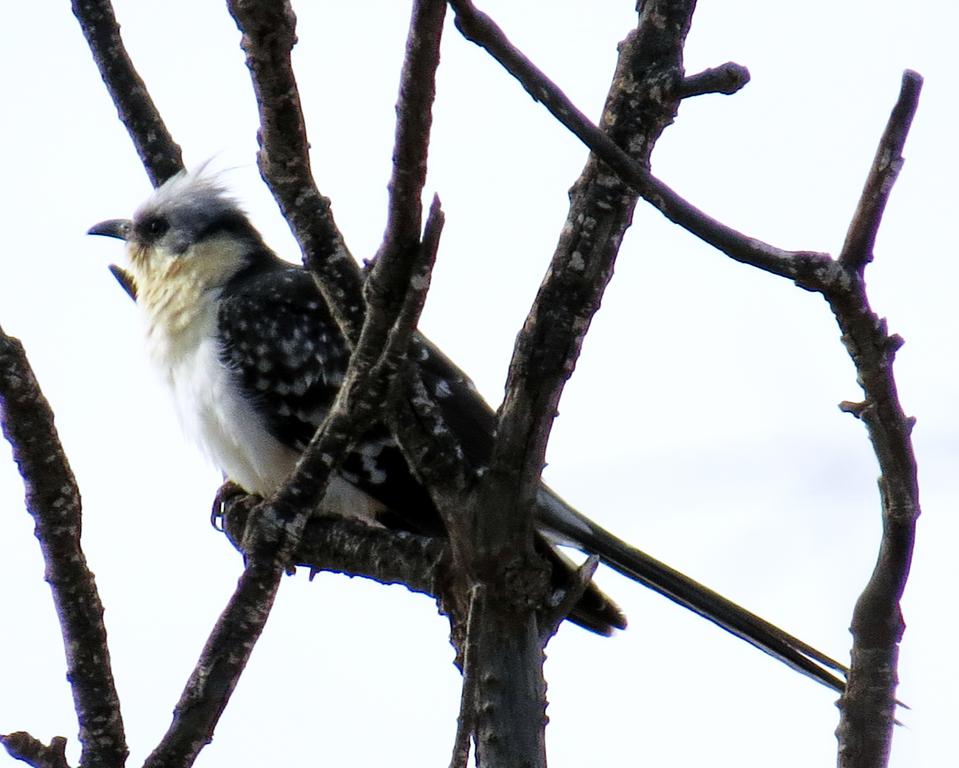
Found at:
(414, 118)
(510, 694)
(479, 28)
(868, 706)
(269, 34)
(466, 720)
(870, 347)
(810, 270)
(53, 500)
(728, 78)
(218, 669)
(419, 278)
(23, 746)
(418, 563)
(857, 250)
(160, 155)
(642, 102)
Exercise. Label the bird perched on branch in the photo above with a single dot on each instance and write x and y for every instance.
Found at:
(254, 359)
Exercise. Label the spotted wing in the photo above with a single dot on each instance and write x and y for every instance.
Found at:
(278, 336)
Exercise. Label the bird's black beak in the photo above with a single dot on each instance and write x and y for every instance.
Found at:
(119, 228)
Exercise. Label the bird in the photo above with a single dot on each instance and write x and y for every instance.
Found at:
(249, 350)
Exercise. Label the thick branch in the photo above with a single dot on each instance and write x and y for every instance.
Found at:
(507, 651)
(158, 152)
(641, 103)
(868, 706)
(53, 501)
(269, 34)
(357, 549)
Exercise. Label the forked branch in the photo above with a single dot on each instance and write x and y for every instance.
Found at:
(869, 704)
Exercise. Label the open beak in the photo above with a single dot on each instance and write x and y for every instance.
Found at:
(118, 228)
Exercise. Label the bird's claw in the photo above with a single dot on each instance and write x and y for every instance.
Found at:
(226, 494)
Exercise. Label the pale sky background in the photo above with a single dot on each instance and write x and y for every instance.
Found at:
(701, 423)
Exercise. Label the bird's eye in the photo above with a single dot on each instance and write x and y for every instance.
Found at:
(156, 227)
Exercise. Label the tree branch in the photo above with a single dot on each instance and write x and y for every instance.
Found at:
(414, 118)
(466, 719)
(159, 153)
(23, 746)
(845, 292)
(218, 669)
(868, 706)
(728, 78)
(642, 102)
(53, 500)
(508, 648)
(857, 250)
(269, 34)
(354, 548)
(808, 269)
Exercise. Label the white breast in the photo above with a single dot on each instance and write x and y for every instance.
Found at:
(213, 411)
(216, 415)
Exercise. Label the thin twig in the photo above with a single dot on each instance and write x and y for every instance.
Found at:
(159, 153)
(728, 78)
(857, 250)
(269, 34)
(53, 500)
(868, 706)
(420, 278)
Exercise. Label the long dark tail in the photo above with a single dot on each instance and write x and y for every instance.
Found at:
(572, 527)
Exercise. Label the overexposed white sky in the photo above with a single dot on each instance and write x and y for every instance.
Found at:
(701, 423)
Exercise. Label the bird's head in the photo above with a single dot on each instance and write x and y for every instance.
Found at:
(189, 231)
